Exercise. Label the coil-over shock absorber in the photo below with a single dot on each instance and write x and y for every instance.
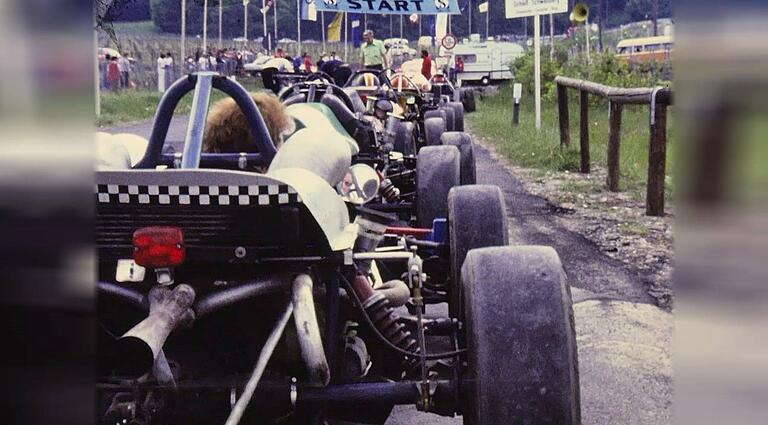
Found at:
(371, 228)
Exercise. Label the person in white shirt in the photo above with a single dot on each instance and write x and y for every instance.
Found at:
(161, 62)
(204, 63)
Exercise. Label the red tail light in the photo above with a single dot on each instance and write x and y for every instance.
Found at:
(158, 247)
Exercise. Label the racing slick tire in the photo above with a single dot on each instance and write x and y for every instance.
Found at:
(463, 141)
(450, 118)
(468, 99)
(437, 171)
(434, 127)
(404, 141)
(477, 218)
(458, 115)
(522, 364)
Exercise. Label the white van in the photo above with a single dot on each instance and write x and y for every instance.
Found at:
(483, 61)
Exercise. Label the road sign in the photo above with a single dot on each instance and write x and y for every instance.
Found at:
(449, 41)
(535, 8)
(390, 7)
(523, 8)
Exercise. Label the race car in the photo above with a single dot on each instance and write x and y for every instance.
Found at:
(230, 296)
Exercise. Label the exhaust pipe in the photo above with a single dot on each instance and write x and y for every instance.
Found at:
(135, 352)
(308, 331)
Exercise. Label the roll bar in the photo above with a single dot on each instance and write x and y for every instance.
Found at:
(192, 157)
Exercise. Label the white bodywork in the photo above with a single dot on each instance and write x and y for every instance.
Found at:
(308, 116)
(490, 59)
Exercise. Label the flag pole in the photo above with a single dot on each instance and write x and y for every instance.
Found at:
(184, 30)
(469, 26)
(487, 20)
(264, 21)
(346, 37)
(205, 25)
(322, 23)
(298, 27)
(274, 6)
(221, 13)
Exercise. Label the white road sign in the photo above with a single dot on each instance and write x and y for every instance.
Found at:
(523, 8)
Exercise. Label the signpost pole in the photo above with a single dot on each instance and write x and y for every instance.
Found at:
(537, 65)
(586, 33)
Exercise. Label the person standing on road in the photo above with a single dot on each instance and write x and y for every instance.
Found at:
(124, 64)
(426, 65)
(372, 53)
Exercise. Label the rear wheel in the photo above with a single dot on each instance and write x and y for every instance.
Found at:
(522, 365)
(434, 127)
(450, 118)
(458, 115)
(477, 218)
(468, 99)
(437, 171)
(404, 142)
(463, 141)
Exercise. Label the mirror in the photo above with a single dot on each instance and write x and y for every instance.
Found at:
(360, 184)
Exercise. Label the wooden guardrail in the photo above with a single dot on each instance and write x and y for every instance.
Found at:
(658, 98)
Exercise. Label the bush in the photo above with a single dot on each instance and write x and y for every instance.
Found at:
(604, 69)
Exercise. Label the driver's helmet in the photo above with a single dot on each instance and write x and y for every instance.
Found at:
(382, 108)
(367, 80)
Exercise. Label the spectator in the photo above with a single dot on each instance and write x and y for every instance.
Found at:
(307, 62)
(169, 70)
(113, 74)
(372, 53)
(426, 65)
(124, 64)
(103, 65)
(296, 62)
(279, 53)
(334, 57)
(161, 73)
(204, 63)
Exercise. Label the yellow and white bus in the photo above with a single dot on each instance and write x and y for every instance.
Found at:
(645, 49)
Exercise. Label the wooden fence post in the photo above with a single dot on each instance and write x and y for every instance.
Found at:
(657, 162)
(584, 135)
(614, 142)
(562, 106)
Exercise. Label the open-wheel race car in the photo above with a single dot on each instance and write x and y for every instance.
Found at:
(386, 126)
(227, 295)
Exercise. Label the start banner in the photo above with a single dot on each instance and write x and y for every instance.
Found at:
(390, 7)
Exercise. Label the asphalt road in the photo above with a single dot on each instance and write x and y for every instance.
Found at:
(623, 340)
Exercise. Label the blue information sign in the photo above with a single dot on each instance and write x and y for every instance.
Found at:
(390, 7)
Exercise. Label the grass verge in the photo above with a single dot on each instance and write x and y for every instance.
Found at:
(126, 107)
(525, 146)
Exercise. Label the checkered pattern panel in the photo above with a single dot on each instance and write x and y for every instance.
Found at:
(197, 195)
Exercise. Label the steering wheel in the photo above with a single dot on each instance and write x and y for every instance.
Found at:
(193, 155)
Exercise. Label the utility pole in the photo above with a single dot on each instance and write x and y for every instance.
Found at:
(205, 25)
(183, 30)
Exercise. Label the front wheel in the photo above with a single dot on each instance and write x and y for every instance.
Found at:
(437, 171)
(522, 365)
